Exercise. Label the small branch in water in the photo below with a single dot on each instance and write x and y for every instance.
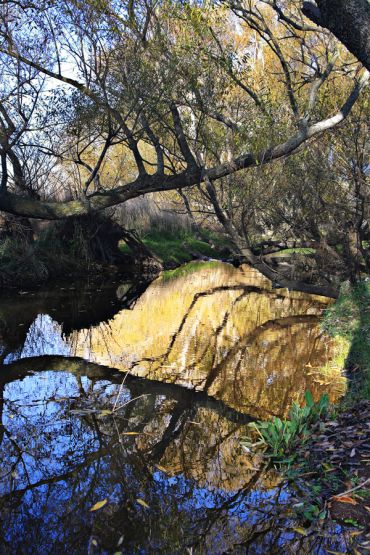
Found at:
(120, 391)
(131, 400)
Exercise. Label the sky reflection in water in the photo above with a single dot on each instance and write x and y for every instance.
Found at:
(176, 448)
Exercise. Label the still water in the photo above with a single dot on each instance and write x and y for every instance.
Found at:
(131, 399)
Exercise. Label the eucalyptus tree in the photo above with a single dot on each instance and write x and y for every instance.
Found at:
(168, 75)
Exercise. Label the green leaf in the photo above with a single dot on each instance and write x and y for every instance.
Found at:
(309, 399)
(301, 531)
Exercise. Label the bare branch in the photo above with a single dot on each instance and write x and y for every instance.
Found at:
(157, 145)
(290, 20)
(181, 139)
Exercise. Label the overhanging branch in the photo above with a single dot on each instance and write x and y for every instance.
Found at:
(144, 184)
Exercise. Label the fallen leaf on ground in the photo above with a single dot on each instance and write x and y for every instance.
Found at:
(301, 531)
(344, 499)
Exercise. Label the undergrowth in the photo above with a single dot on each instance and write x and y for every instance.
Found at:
(51, 255)
(23, 264)
(174, 249)
(280, 438)
(19, 263)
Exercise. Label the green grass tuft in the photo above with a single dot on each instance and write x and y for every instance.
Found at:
(286, 252)
(349, 318)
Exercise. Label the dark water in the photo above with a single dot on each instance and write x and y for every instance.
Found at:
(208, 351)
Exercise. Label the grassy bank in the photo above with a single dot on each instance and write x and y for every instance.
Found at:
(189, 268)
(181, 246)
(349, 320)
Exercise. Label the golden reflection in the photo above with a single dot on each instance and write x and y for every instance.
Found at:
(225, 331)
(206, 448)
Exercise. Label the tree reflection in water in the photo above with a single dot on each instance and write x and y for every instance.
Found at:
(212, 350)
(204, 495)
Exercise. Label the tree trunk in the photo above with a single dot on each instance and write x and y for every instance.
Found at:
(190, 214)
(348, 20)
(352, 254)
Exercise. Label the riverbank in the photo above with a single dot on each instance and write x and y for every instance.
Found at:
(338, 451)
(329, 465)
(80, 248)
(174, 249)
(88, 248)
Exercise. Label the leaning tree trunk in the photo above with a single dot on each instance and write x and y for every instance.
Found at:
(352, 253)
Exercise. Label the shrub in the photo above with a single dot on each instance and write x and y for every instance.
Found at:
(19, 264)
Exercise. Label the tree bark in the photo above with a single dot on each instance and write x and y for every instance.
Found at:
(348, 20)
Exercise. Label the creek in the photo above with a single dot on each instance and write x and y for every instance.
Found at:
(123, 406)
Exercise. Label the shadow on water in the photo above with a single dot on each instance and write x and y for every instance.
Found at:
(160, 446)
(74, 306)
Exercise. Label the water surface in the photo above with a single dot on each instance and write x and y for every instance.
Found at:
(208, 349)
